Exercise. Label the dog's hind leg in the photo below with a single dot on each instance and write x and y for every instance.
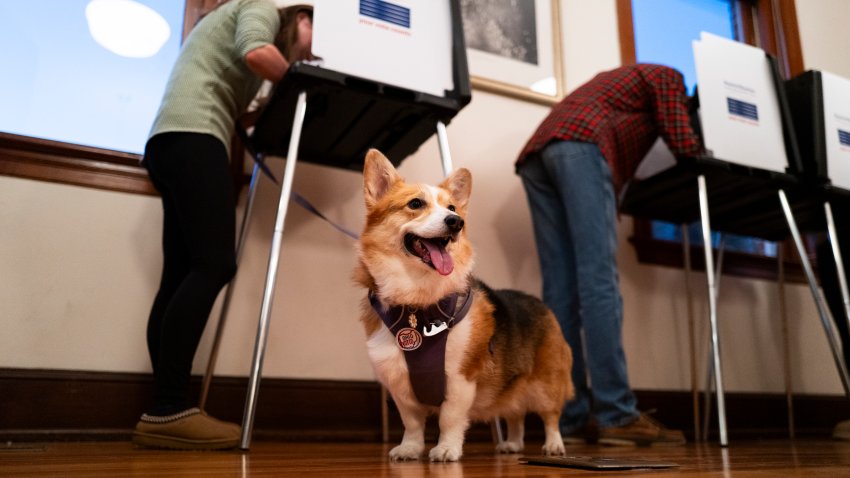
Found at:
(554, 444)
(413, 442)
(516, 435)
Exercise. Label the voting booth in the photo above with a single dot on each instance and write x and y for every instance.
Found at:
(751, 181)
(388, 75)
(820, 107)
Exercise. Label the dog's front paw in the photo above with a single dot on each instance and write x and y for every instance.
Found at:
(509, 447)
(555, 448)
(445, 453)
(406, 451)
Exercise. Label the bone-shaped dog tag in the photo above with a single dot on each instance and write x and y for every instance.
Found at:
(435, 329)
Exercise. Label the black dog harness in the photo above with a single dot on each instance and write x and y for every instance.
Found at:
(418, 333)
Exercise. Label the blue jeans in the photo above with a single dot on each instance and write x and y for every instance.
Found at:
(572, 205)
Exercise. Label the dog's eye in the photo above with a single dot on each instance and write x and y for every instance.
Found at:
(451, 207)
(415, 203)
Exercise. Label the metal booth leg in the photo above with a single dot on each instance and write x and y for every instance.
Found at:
(445, 154)
(839, 263)
(712, 308)
(786, 344)
(709, 374)
(819, 302)
(228, 293)
(446, 157)
(686, 257)
(271, 274)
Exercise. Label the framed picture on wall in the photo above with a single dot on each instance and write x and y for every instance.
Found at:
(514, 47)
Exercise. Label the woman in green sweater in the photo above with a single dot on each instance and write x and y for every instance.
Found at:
(222, 64)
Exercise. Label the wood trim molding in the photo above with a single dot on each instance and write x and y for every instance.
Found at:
(626, 30)
(38, 405)
(65, 163)
(772, 26)
(193, 11)
(744, 23)
(670, 254)
(766, 27)
(789, 32)
(53, 161)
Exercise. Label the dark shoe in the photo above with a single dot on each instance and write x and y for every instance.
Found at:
(644, 431)
(587, 434)
(188, 430)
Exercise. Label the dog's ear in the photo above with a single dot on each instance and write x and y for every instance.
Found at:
(379, 175)
(459, 184)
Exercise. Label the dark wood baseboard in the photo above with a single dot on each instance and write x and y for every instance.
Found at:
(72, 403)
(49, 405)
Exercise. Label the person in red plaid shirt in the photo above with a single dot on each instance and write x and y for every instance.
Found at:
(578, 159)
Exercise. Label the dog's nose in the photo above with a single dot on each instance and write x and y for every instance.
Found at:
(454, 222)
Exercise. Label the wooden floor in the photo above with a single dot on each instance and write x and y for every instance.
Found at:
(801, 458)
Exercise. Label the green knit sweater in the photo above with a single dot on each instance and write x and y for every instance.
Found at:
(210, 85)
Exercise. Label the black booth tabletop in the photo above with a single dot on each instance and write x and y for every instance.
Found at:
(742, 200)
(346, 115)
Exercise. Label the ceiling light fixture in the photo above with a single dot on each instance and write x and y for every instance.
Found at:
(127, 28)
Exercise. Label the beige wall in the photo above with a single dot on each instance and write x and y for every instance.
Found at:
(824, 35)
(79, 267)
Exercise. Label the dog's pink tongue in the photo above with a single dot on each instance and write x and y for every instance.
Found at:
(440, 258)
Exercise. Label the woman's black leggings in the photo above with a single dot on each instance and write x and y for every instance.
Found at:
(191, 172)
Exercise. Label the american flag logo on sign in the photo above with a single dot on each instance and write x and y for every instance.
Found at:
(742, 109)
(844, 137)
(386, 11)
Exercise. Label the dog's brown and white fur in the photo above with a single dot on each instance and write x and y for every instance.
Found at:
(506, 358)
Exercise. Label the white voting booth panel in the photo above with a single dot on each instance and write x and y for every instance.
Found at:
(739, 108)
(387, 73)
(836, 120)
(405, 43)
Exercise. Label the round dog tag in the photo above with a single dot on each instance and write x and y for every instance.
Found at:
(408, 339)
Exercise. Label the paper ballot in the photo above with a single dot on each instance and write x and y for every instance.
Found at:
(836, 112)
(656, 160)
(405, 43)
(741, 120)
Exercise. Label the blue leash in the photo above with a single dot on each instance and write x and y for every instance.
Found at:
(297, 198)
(303, 202)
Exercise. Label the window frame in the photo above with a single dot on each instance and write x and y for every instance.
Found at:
(772, 26)
(67, 163)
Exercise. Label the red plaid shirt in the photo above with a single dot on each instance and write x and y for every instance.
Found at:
(622, 111)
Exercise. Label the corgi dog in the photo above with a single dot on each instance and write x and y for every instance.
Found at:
(440, 340)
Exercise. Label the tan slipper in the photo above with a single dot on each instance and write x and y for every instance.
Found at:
(188, 430)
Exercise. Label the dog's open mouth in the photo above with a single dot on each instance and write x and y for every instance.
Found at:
(432, 251)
